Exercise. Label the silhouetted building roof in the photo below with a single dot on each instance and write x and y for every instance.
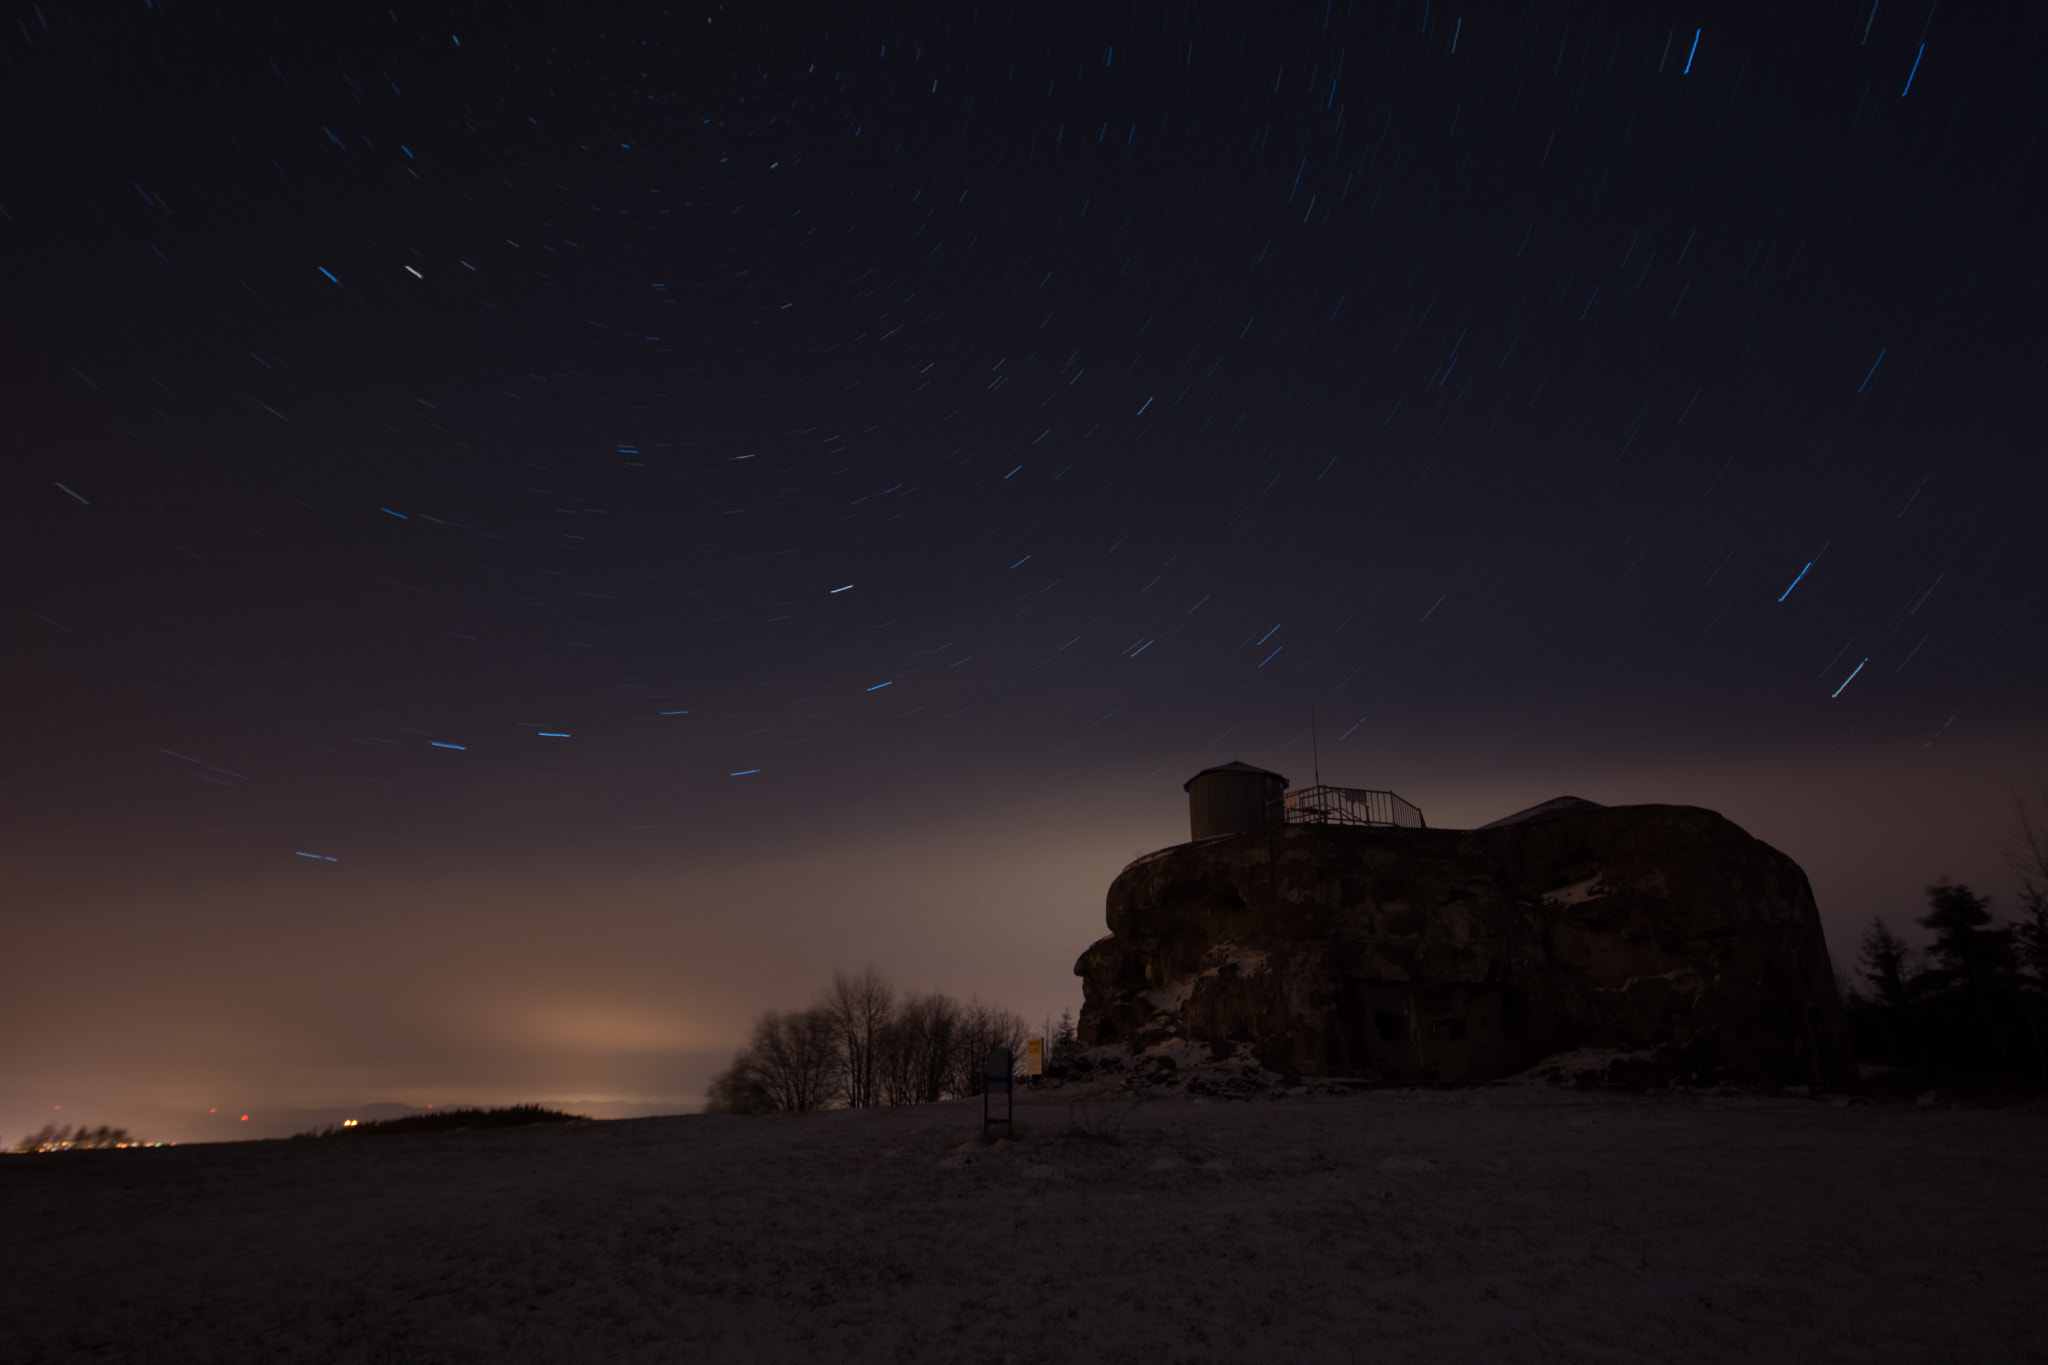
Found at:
(1233, 767)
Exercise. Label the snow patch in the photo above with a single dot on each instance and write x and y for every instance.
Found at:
(1179, 1051)
(1578, 893)
(1586, 1063)
(1169, 998)
(1683, 979)
(1248, 961)
(1553, 805)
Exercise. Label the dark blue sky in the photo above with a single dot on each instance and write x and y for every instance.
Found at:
(463, 438)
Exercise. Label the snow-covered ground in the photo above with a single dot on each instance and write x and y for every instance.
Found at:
(1499, 1224)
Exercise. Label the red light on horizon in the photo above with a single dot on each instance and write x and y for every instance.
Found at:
(245, 1118)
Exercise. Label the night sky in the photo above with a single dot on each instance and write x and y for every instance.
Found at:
(539, 530)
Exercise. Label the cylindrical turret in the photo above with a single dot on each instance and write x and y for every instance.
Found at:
(1233, 798)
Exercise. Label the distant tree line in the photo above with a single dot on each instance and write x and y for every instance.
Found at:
(80, 1139)
(1974, 1005)
(862, 1045)
(444, 1121)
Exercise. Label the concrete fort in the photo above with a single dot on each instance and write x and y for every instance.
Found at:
(1325, 942)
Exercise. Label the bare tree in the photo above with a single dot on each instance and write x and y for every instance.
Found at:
(860, 1008)
(983, 1028)
(739, 1089)
(794, 1060)
(863, 1045)
(917, 1052)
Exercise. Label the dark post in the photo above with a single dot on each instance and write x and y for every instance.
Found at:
(995, 1080)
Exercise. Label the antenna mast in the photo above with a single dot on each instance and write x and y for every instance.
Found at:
(1314, 749)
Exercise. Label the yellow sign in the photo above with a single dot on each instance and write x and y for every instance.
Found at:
(1034, 1056)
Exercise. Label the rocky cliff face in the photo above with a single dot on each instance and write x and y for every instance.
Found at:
(1451, 955)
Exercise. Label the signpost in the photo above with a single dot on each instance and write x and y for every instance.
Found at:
(1034, 1056)
(995, 1080)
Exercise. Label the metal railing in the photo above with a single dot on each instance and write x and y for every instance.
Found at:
(1349, 806)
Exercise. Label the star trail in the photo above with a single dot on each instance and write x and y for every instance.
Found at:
(920, 410)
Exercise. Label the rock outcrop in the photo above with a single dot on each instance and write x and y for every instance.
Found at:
(1418, 955)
